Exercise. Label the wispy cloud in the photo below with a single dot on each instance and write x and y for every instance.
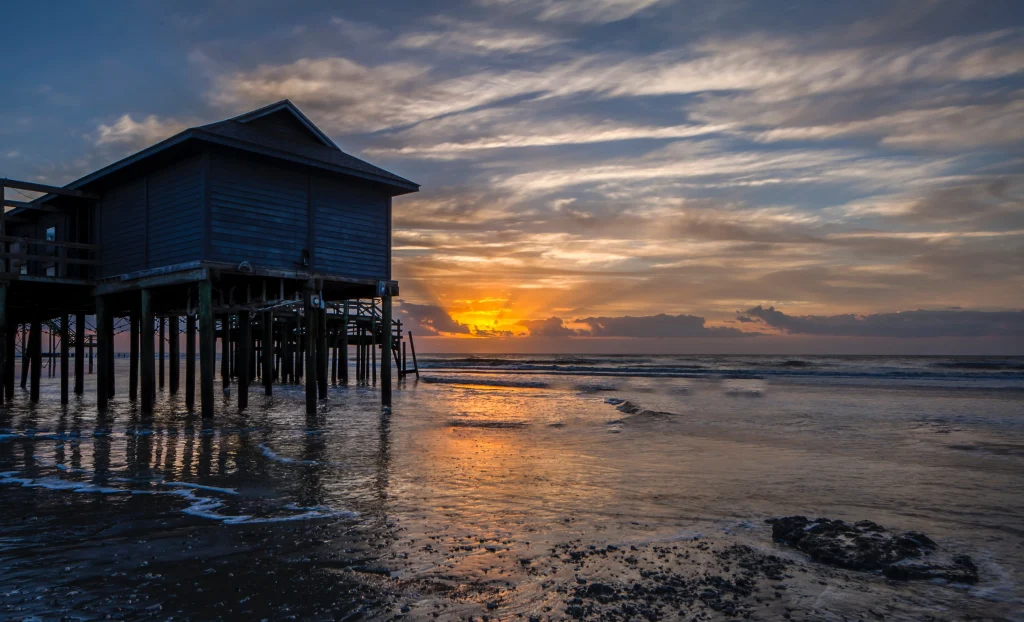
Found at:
(132, 134)
(463, 37)
(588, 11)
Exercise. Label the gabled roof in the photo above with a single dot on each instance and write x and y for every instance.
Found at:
(280, 131)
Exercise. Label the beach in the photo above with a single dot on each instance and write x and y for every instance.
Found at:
(521, 487)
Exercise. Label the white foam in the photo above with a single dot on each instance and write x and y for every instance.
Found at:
(202, 506)
(270, 454)
(55, 483)
(226, 491)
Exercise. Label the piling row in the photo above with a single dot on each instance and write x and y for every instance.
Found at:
(305, 341)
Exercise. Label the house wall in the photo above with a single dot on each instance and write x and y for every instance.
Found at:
(152, 221)
(229, 208)
(352, 229)
(268, 214)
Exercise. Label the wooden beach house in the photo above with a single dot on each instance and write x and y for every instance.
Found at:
(257, 230)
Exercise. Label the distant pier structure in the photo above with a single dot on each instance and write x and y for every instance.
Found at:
(257, 231)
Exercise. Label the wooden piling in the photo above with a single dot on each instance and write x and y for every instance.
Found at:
(415, 365)
(301, 337)
(344, 345)
(111, 380)
(267, 352)
(65, 336)
(385, 369)
(133, 356)
(225, 349)
(102, 353)
(207, 347)
(190, 361)
(148, 356)
(8, 379)
(174, 347)
(334, 358)
(26, 358)
(79, 353)
(160, 353)
(3, 334)
(35, 346)
(373, 345)
(286, 350)
(321, 352)
(311, 376)
(244, 354)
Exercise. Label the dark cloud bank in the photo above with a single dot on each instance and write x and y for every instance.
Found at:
(434, 320)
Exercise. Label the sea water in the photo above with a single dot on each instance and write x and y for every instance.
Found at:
(491, 458)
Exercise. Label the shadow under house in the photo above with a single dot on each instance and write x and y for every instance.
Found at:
(258, 231)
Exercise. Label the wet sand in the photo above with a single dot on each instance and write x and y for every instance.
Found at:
(486, 502)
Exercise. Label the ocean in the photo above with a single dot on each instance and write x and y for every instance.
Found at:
(507, 486)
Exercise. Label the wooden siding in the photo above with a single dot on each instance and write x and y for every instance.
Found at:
(259, 213)
(123, 228)
(175, 223)
(352, 229)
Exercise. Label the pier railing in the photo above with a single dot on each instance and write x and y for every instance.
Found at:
(46, 258)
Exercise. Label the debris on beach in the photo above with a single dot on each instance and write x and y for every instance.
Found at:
(867, 546)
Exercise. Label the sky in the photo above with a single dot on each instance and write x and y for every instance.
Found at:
(605, 175)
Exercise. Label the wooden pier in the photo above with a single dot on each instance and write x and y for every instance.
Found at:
(255, 233)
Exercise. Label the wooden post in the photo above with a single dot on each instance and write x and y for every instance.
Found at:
(385, 369)
(321, 352)
(244, 353)
(133, 356)
(79, 353)
(286, 350)
(174, 347)
(301, 348)
(160, 353)
(405, 360)
(344, 345)
(92, 349)
(65, 335)
(225, 349)
(415, 365)
(334, 358)
(3, 322)
(311, 325)
(111, 381)
(35, 346)
(102, 353)
(148, 355)
(359, 355)
(8, 378)
(26, 358)
(190, 361)
(268, 352)
(373, 344)
(207, 347)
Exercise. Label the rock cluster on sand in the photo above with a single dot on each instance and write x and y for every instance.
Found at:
(866, 545)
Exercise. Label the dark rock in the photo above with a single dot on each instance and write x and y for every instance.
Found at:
(866, 545)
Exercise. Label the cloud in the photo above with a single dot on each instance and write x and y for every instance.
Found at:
(949, 127)
(430, 318)
(351, 96)
(128, 132)
(919, 323)
(656, 326)
(587, 11)
(463, 37)
(551, 327)
(467, 135)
